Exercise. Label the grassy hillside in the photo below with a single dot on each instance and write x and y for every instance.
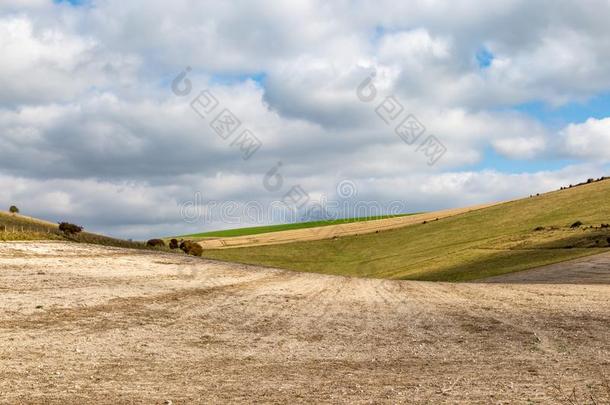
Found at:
(282, 227)
(19, 227)
(478, 244)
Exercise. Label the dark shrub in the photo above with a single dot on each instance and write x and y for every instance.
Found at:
(191, 248)
(576, 224)
(539, 228)
(605, 226)
(155, 243)
(70, 229)
(2, 228)
(195, 250)
(13, 209)
(173, 244)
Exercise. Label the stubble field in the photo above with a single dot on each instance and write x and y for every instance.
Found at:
(83, 323)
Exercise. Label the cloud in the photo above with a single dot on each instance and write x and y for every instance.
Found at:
(46, 64)
(413, 47)
(590, 140)
(520, 147)
(90, 130)
(140, 210)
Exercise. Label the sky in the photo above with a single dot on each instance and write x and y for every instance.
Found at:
(152, 118)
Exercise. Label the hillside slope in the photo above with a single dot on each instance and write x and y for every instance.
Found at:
(332, 230)
(16, 227)
(504, 238)
(257, 230)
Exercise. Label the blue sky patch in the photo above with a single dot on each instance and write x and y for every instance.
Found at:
(72, 2)
(576, 112)
(492, 160)
(484, 58)
(228, 79)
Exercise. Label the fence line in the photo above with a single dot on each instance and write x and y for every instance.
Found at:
(25, 232)
(8, 230)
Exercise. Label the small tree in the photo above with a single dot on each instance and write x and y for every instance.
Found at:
(13, 209)
(70, 229)
(155, 243)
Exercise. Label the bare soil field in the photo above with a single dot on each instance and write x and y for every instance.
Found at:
(89, 324)
(333, 231)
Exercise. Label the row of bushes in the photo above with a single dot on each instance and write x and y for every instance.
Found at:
(576, 224)
(187, 246)
(589, 181)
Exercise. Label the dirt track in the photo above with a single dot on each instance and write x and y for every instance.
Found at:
(89, 324)
(586, 270)
(331, 231)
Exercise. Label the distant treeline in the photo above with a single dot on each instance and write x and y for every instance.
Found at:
(589, 181)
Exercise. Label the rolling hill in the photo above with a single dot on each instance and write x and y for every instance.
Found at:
(490, 241)
(329, 230)
(17, 227)
(257, 230)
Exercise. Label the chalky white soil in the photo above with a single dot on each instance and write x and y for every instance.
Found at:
(88, 324)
